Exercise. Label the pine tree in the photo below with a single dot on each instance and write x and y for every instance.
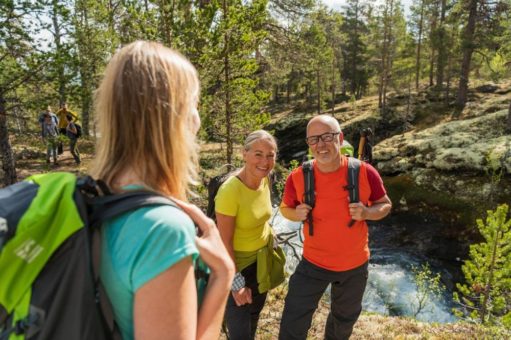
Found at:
(233, 102)
(486, 295)
(19, 64)
(316, 44)
(440, 36)
(59, 12)
(332, 22)
(467, 50)
(355, 70)
(418, 28)
(282, 54)
(389, 36)
(92, 41)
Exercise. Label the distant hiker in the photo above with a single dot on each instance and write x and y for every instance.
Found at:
(49, 134)
(61, 115)
(337, 253)
(365, 146)
(72, 134)
(148, 132)
(243, 210)
(50, 112)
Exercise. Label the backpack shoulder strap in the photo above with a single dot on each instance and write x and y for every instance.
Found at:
(102, 209)
(308, 181)
(214, 185)
(353, 174)
(110, 206)
(352, 187)
(308, 192)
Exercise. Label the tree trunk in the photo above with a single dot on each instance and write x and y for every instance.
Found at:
(7, 164)
(227, 77)
(432, 29)
(380, 92)
(431, 67)
(288, 90)
(390, 59)
(318, 104)
(387, 53)
(354, 59)
(334, 64)
(86, 70)
(468, 49)
(442, 48)
(409, 102)
(383, 76)
(419, 45)
(509, 119)
(59, 52)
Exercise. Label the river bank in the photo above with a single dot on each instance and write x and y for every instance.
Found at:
(374, 326)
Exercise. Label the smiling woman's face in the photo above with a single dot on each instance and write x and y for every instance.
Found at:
(260, 158)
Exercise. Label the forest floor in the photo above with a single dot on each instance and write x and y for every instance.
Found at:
(31, 156)
(374, 326)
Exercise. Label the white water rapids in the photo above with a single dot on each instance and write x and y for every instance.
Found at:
(391, 288)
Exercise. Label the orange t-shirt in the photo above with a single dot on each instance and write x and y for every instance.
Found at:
(334, 246)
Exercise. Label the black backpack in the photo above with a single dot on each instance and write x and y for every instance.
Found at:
(214, 184)
(50, 252)
(78, 130)
(310, 195)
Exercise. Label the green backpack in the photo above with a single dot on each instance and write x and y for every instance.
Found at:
(50, 252)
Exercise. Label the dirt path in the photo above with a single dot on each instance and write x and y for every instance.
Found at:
(31, 158)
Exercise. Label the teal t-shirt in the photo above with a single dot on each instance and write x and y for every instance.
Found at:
(138, 246)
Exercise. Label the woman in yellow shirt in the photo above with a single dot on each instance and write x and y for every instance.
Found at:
(243, 209)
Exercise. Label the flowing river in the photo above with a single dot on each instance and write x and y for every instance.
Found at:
(391, 287)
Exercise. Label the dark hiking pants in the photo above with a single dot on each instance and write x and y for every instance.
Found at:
(307, 285)
(241, 321)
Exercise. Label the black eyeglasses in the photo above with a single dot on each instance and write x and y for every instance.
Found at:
(326, 137)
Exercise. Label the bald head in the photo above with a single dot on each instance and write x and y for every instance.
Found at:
(325, 120)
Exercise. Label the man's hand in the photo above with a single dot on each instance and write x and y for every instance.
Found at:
(378, 210)
(301, 211)
(358, 211)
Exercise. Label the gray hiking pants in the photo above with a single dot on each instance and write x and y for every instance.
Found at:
(51, 149)
(307, 285)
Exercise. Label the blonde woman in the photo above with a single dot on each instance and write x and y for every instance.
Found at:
(243, 209)
(147, 117)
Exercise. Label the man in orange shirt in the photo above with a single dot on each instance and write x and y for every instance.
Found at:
(337, 253)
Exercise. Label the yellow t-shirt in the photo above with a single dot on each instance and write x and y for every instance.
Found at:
(252, 209)
(61, 114)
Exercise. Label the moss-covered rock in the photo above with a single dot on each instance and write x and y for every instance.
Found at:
(462, 145)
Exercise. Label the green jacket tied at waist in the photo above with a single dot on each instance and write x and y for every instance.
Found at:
(270, 265)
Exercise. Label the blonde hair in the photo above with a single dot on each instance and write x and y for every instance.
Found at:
(259, 135)
(145, 109)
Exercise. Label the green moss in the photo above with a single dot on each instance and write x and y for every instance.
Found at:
(444, 205)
